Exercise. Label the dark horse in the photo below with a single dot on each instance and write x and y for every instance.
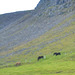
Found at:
(57, 53)
(40, 57)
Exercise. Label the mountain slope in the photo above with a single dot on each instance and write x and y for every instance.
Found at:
(49, 28)
(9, 18)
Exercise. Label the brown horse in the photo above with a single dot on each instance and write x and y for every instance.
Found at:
(18, 64)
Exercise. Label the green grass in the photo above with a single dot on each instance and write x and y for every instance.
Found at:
(51, 65)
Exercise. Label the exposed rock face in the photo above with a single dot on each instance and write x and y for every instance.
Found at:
(56, 7)
(52, 2)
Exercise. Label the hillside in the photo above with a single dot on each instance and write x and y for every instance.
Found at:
(47, 29)
(10, 18)
(43, 67)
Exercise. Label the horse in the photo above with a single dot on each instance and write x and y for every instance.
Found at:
(17, 64)
(57, 53)
(40, 57)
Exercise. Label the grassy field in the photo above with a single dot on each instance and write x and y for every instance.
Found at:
(63, 64)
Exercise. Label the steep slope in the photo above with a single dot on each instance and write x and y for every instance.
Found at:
(49, 28)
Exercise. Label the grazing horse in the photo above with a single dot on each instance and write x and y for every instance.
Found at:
(57, 53)
(18, 64)
(40, 57)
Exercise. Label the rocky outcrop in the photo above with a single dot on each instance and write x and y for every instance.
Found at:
(55, 7)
